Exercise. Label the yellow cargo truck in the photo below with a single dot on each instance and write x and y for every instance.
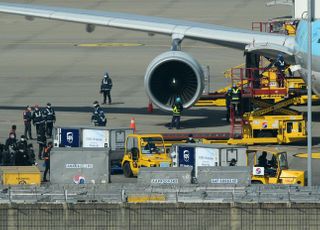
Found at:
(270, 166)
(20, 175)
(144, 150)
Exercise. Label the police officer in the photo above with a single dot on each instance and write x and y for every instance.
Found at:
(235, 99)
(98, 118)
(46, 157)
(22, 157)
(177, 108)
(105, 88)
(50, 118)
(27, 118)
(37, 118)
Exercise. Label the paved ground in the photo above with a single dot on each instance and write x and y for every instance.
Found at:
(42, 62)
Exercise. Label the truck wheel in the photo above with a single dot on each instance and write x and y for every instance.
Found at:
(127, 170)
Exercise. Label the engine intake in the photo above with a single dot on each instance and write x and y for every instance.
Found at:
(174, 74)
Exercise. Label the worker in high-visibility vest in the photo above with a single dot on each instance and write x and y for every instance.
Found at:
(236, 99)
(177, 108)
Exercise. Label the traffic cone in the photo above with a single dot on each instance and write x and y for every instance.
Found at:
(133, 124)
(150, 107)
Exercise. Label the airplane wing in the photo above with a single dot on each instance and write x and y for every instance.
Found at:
(226, 36)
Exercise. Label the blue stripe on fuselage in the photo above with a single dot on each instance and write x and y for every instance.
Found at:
(302, 37)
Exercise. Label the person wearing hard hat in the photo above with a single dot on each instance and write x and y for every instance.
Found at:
(177, 108)
(105, 88)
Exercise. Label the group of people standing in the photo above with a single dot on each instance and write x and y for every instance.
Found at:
(21, 153)
(42, 119)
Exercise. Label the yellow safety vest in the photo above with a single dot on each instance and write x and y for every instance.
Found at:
(235, 95)
(176, 111)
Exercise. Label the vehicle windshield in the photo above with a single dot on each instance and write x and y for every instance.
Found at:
(151, 145)
(283, 160)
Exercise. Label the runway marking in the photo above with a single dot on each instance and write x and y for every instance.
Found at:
(305, 155)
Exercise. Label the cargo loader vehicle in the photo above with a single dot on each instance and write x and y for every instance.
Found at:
(270, 166)
(144, 150)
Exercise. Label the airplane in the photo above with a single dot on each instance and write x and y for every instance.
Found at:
(176, 73)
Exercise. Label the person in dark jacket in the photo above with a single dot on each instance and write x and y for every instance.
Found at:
(27, 118)
(10, 142)
(177, 108)
(98, 118)
(46, 156)
(32, 156)
(50, 118)
(228, 102)
(37, 118)
(13, 131)
(105, 88)
(22, 157)
(42, 141)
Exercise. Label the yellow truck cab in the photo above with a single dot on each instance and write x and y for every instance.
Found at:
(144, 150)
(270, 166)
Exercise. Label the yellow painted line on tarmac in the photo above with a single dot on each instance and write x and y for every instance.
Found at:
(305, 155)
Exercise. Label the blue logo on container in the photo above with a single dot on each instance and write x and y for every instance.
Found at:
(186, 156)
(70, 137)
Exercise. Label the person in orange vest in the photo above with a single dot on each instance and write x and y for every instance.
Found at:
(46, 157)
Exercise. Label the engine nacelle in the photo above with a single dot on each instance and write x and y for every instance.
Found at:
(174, 74)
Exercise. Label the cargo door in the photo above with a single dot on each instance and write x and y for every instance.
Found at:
(206, 157)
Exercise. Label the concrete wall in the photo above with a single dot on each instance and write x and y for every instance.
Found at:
(159, 216)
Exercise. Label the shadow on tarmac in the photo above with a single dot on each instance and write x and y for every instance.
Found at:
(204, 117)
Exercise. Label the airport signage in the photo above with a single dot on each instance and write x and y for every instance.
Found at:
(224, 181)
(79, 166)
(165, 181)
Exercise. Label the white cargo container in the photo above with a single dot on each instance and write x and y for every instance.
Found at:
(93, 137)
(196, 155)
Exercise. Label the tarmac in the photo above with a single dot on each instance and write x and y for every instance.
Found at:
(51, 61)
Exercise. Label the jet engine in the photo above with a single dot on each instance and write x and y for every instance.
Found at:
(174, 74)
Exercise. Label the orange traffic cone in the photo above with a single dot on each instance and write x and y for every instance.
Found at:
(150, 107)
(133, 124)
